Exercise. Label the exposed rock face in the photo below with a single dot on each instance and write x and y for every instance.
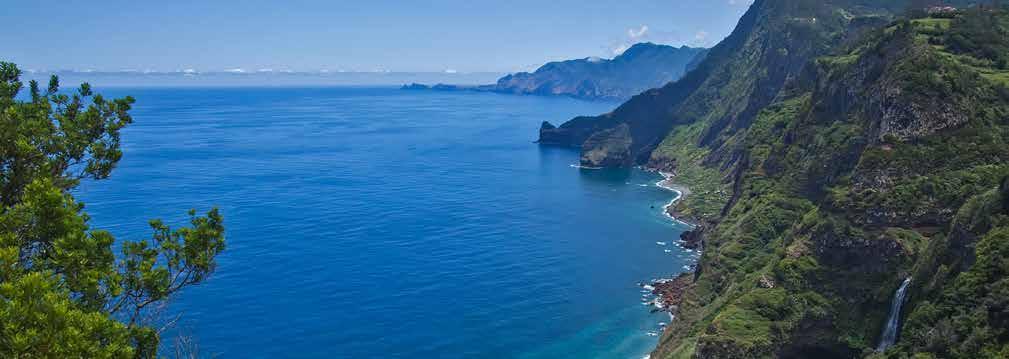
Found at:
(571, 134)
(670, 291)
(907, 120)
(639, 68)
(929, 211)
(900, 108)
(857, 252)
(692, 239)
(664, 164)
(608, 148)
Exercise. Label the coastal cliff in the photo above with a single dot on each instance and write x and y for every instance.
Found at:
(886, 159)
(834, 150)
(741, 75)
(640, 67)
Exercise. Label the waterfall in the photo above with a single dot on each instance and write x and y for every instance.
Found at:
(893, 322)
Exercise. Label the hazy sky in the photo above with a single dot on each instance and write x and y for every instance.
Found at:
(302, 35)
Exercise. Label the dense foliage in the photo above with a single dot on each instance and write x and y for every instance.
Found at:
(64, 292)
(887, 159)
(981, 35)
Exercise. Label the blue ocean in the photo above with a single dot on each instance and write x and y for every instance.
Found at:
(375, 222)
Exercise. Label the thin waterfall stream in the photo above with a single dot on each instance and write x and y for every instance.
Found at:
(892, 328)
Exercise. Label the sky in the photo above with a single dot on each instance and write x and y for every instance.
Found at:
(335, 35)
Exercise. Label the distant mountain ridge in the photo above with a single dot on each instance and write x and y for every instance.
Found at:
(639, 68)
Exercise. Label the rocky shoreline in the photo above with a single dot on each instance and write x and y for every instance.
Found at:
(670, 209)
(666, 294)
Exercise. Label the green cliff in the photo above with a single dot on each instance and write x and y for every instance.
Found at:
(884, 159)
(834, 149)
(697, 119)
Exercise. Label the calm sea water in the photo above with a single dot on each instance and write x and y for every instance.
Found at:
(367, 222)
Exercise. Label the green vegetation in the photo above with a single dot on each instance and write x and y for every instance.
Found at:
(709, 192)
(981, 35)
(885, 160)
(973, 38)
(64, 293)
(961, 315)
(739, 82)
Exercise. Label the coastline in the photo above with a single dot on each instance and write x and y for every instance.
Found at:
(681, 191)
(666, 294)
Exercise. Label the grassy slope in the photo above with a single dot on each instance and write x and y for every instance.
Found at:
(837, 240)
(785, 36)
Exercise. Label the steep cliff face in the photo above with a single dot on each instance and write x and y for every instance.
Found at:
(740, 76)
(833, 151)
(570, 134)
(744, 73)
(886, 160)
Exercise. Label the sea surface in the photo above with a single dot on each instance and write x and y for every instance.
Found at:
(375, 222)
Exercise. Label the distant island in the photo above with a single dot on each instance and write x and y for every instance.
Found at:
(642, 67)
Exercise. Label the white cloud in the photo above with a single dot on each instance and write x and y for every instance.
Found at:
(620, 49)
(638, 34)
(634, 36)
(675, 37)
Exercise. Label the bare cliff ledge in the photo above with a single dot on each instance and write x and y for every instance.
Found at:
(640, 67)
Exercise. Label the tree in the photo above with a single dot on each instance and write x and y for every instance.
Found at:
(55, 135)
(63, 292)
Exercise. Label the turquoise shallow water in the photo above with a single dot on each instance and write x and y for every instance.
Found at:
(367, 222)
